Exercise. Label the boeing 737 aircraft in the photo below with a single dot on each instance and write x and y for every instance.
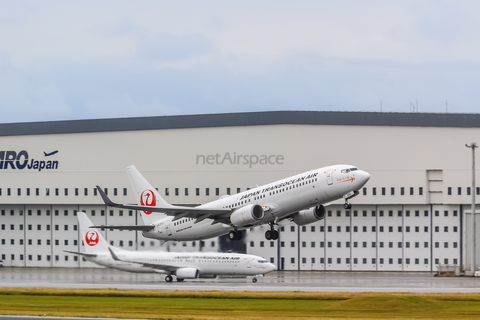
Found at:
(188, 265)
(300, 198)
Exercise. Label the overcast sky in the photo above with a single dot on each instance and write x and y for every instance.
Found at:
(62, 60)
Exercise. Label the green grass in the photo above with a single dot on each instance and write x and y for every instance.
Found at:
(236, 305)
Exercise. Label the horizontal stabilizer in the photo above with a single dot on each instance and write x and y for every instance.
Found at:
(92, 255)
(170, 210)
(131, 228)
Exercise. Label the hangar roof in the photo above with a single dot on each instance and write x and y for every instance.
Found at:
(452, 120)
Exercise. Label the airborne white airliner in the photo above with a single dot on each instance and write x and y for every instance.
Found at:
(300, 198)
(188, 265)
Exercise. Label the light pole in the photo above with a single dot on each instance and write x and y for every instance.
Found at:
(473, 145)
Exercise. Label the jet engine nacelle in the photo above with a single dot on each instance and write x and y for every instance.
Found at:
(310, 215)
(247, 215)
(187, 273)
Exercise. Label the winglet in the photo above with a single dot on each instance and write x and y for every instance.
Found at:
(114, 256)
(105, 198)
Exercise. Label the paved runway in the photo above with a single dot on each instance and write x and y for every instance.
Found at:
(310, 281)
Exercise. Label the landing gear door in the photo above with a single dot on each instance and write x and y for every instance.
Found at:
(249, 263)
(330, 177)
(168, 228)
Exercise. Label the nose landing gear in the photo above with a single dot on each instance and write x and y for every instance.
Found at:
(349, 196)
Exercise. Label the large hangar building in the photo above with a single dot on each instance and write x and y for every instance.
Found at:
(412, 215)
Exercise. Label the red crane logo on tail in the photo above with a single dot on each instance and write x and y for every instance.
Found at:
(91, 238)
(148, 199)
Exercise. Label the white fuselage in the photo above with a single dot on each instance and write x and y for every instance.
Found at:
(208, 264)
(279, 199)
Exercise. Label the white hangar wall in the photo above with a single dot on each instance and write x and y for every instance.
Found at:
(410, 216)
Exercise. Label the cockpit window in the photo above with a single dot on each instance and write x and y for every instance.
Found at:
(348, 170)
(262, 261)
(353, 169)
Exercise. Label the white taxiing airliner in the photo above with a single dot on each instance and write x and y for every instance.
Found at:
(300, 198)
(184, 265)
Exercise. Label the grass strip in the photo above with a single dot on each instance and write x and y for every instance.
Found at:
(113, 303)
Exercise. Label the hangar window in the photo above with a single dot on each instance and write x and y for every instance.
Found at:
(66, 242)
(399, 213)
(445, 245)
(186, 191)
(292, 244)
(437, 229)
(347, 244)
(304, 229)
(468, 191)
(292, 228)
(217, 191)
(39, 227)
(29, 227)
(39, 242)
(381, 244)
(407, 213)
(0, 191)
(364, 228)
(425, 213)
(12, 227)
(402, 191)
(125, 191)
(312, 228)
(437, 213)
(115, 191)
(121, 243)
(66, 258)
(364, 191)
(420, 191)
(400, 229)
(455, 229)
(197, 191)
(228, 191)
(9, 192)
(102, 213)
(177, 191)
(47, 191)
(339, 213)
(66, 191)
(28, 191)
(56, 191)
(381, 228)
(411, 191)
(478, 191)
(292, 260)
(374, 229)
(407, 229)
(355, 213)
(29, 212)
(347, 228)
(355, 244)
(322, 229)
(364, 213)
(95, 191)
(445, 229)
(339, 228)
(449, 191)
(57, 242)
(355, 260)
(383, 191)
(19, 192)
(390, 244)
(48, 242)
(425, 229)
(455, 244)
(392, 191)
(390, 229)
(374, 191)
(76, 191)
(85, 191)
(111, 213)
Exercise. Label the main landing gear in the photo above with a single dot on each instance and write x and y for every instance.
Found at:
(347, 205)
(235, 235)
(271, 234)
(169, 278)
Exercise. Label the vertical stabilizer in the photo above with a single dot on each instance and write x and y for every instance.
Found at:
(145, 194)
(92, 238)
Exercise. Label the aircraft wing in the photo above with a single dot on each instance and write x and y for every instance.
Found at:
(156, 266)
(91, 255)
(131, 228)
(177, 211)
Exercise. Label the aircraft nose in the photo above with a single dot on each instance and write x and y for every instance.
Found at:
(272, 267)
(363, 177)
